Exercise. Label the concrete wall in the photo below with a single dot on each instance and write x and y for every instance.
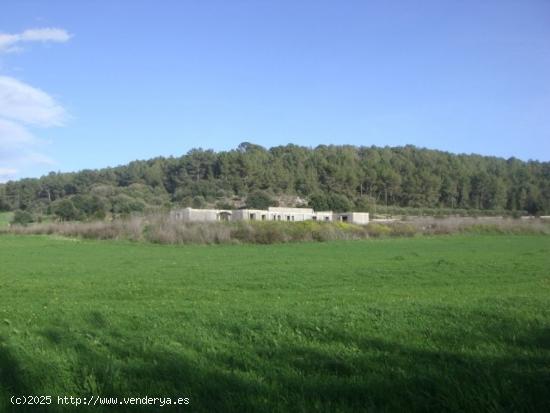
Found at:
(361, 218)
(200, 215)
(290, 214)
(325, 216)
(273, 214)
(250, 214)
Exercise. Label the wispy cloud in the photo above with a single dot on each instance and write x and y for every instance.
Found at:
(24, 103)
(24, 107)
(19, 150)
(13, 134)
(7, 173)
(11, 42)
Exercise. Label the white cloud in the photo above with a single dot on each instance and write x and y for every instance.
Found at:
(24, 103)
(18, 150)
(8, 42)
(48, 34)
(36, 158)
(7, 173)
(13, 134)
(23, 107)
(11, 42)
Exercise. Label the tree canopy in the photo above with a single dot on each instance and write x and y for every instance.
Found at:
(328, 177)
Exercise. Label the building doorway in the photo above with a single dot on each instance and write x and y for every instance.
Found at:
(224, 216)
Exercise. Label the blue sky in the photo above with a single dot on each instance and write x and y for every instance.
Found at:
(100, 83)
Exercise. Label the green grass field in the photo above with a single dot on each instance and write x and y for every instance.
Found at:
(450, 323)
(5, 218)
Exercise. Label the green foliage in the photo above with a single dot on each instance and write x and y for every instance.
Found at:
(224, 205)
(65, 210)
(124, 204)
(90, 206)
(22, 217)
(4, 204)
(365, 204)
(198, 202)
(329, 177)
(339, 203)
(319, 202)
(5, 218)
(330, 202)
(259, 200)
(454, 324)
(378, 230)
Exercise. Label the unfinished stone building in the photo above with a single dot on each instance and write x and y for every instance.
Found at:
(271, 214)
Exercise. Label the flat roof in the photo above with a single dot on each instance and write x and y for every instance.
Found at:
(293, 210)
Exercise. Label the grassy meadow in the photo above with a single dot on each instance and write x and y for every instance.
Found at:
(5, 218)
(450, 323)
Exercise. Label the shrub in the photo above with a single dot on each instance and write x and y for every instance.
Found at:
(125, 205)
(163, 229)
(242, 231)
(378, 230)
(269, 233)
(198, 202)
(65, 210)
(22, 217)
(402, 229)
(90, 206)
(319, 202)
(4, 205)
(339, 203)
(224, 205)
(259, 200)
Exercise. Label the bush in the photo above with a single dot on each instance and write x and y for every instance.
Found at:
(259, 200)
(224, 205)
(402, 230)
(4, 205)
(90, 206)
(198, 202)
(378, 230)
(339, 203)
(65, 210)
(163, 229)
(269, 233)
(22, 218)
(365, 204)
(319, 202)
(125, 205)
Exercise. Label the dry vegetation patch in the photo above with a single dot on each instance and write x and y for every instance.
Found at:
(163, 229)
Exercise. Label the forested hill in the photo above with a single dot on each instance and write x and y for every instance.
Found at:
(326, 177)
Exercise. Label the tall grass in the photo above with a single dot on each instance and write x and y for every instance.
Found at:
(460, 212)
(163, 229)
(452, 225)
(131, 229)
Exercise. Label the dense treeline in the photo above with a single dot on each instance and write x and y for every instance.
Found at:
(326, 177)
